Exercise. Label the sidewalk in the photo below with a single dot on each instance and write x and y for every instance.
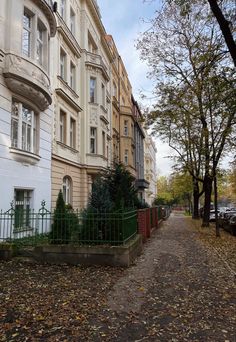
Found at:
(177, 291)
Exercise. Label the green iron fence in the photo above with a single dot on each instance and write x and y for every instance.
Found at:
(28, 227)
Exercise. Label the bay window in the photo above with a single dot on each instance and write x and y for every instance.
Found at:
(34, 38)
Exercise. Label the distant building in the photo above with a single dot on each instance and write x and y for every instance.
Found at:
(150, 170)
(139, 137)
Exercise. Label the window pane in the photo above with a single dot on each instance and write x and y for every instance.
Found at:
(14, 133)
(26, 20)
(72, 133)
(28, 139)
(26, 42)
(26, 115)
(23, 145)
(92, 89)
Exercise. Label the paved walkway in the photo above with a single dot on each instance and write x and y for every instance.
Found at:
(177, 291)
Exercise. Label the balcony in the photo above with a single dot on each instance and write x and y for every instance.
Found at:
(127, 110)
(96, 61)
(27, 79)
(68, 94)
(68, 37)
(141, 184)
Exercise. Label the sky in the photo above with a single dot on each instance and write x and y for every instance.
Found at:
(125, 20)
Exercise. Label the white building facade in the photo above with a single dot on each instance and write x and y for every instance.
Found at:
(26, 30)
(150, 169)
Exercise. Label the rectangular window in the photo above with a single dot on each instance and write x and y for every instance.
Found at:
(126, 157)
(62, 136)
(72, 133)
(114, 89)
(92, 47)
(72, 76)
(126, 131)
(103, 144)
(27, 27)
(23, 127)
(93, 140)
(63, 64)
(72, 21)
(40, 43)
(92, 89)
(132, 130)
(63, 9)
(133, 158)
(103, 96)
(22, 208)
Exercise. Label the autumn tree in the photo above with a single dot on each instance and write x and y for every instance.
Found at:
(224, 13)
(195, 89)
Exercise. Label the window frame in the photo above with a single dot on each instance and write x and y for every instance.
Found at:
(27, 13)
(22, 208)
(126, 157)
(72, 76)
(63, 9)
(72, 21)
(72, 133)
(93, 140)
(62, 126)
(103, 91)
(92, 89)
(63, 58)
(126, 128)
(67, 189)
(26, 131)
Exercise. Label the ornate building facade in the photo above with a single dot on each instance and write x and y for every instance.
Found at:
(82, 110)
(66, 105)
(26, 31)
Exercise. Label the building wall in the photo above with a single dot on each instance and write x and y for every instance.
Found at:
(25, 80)
(84, 46)
(150, 171)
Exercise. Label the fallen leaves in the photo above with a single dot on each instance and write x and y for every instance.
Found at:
(177, 291)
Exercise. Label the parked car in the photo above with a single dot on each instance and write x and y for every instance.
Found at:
(212, 215)
(227, 221)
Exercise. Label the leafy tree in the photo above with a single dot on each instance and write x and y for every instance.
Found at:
(194, 86)
(224, 12)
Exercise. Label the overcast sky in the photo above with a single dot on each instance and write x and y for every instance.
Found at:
(125, 20)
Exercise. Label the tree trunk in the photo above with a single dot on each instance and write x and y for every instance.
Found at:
(207, 201)
(225, 28)
(195, 214)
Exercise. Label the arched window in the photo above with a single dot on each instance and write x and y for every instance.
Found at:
(67, 189)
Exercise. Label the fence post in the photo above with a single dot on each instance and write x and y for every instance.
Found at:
(148, 222)
(142, 223)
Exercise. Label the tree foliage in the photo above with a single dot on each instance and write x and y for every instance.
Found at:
(195, 89)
